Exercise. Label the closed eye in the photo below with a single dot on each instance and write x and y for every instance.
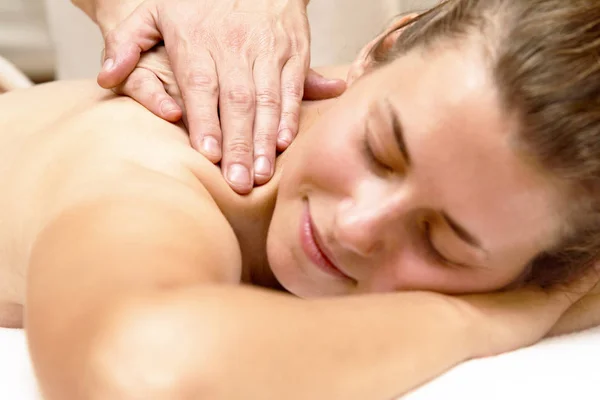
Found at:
(375, 163)
(430, 248)
(432, 252)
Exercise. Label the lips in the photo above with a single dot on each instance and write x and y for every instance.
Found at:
(314, 248)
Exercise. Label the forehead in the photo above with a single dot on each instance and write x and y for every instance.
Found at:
(460, 143)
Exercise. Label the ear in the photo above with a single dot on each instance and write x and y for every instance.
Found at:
(379, 46)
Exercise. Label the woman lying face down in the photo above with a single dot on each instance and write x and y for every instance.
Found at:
(467, 160)
(461, 160)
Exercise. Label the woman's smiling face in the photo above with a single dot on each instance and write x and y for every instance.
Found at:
(410, 183)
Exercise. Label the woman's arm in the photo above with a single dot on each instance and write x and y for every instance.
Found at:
(227, 342)
(582, 315)
(137, 292)
(136, 295)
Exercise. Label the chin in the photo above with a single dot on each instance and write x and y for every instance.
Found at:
(282, 266)
(293, 277)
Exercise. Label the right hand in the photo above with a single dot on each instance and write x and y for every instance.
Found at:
(506, 321)
(240, 66)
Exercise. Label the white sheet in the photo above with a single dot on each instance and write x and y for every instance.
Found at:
(16, 375)
(560, 368)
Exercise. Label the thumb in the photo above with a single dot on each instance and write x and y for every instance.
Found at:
(124, 45)
(317, 87)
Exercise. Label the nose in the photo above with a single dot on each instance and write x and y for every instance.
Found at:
(362, 227)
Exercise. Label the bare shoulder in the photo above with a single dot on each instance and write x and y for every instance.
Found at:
(104, 192)
(144, 233)
(133, 179)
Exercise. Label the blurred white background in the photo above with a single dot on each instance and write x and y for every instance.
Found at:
(24, 37)
(51, 38)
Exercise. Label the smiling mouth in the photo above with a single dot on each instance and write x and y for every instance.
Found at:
(313, 247)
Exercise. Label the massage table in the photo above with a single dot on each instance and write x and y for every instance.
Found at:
(560, 368)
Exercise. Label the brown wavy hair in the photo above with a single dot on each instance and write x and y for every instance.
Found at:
(545, 60)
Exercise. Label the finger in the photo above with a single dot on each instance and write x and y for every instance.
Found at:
(267, 75)
(124, 45)
(196, 76)
(145, 87)
(237, 106)
(578, 287)
(317, 87)
(292, 89)
(555, 300)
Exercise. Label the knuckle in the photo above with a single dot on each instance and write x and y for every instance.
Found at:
(202, 82)
(291, 117)
(138, 81)
(240, 98)
(210, 129)
(264, 139)
(301, 46)
(239, 147)
(268, 98)
(155, 97)
(294, 89)
(208, 123)
(110, 39)
(267, 43)
(236, 37)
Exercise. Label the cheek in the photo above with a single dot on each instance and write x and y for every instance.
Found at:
(280, 241)
(415, 273)
(331, 160)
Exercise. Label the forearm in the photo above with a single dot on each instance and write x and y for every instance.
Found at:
(228, 342)
(107, 14)
(582, 315)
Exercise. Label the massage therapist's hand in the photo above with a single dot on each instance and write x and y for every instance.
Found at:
(240, 66)
(506, 321)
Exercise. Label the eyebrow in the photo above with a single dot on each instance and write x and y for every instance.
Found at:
(398, 132)
(461, 231)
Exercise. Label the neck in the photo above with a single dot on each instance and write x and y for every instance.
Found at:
(250, 216)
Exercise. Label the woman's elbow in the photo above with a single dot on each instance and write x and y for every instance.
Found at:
(161, 349)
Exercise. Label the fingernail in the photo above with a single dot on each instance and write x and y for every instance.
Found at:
(238, 175)
(167, 107)
(285, 137)
(108, 64)
(211, 146)
(262, 166)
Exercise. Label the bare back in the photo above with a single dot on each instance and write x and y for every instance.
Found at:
(66, 142)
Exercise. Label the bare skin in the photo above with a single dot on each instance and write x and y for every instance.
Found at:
(115, 227)
(76, 173)
(43, 181)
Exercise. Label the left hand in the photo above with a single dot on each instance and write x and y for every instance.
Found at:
(152, 82)
(247, 58)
